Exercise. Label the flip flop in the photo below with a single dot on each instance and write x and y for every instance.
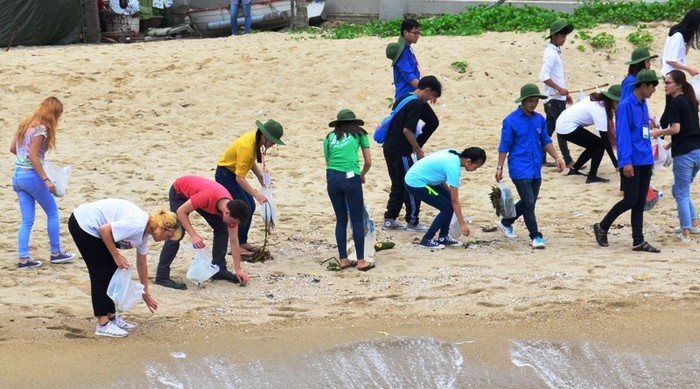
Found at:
(350, 264)
(366, 268)
(645, 246)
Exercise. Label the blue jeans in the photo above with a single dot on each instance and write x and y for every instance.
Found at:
(227, 179)
(248, 18)
(440, 198)
(346, 196)
(31, 190)
(528, 190)
(685, 168)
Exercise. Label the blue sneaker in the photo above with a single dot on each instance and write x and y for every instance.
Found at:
(61, 257)
(507, 230)
(29, 263)
(431, 244)
(448, 241)
(538, 243)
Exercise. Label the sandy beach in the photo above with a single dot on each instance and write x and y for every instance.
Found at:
(139, 115)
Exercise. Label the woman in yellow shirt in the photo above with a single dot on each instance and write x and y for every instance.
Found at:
(242, 156)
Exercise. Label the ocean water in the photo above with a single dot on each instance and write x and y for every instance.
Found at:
(400, 362)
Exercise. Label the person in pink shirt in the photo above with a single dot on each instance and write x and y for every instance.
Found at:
(211, 200)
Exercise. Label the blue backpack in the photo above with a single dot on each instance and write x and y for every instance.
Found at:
(382, 130)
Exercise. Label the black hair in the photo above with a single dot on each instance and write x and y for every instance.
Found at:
(349, 128)
(678, 76)
(636, 67)
(258, 142)
(474, 154)
(432, 83)
(238, 210)
(408, 25)
(638, 84)
(689, 27)
(607, 102)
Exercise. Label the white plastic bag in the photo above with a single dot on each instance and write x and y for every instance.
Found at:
(59, 176)
(662, 156)
(268, 211)
(455, 229)
(123, 290)
(695, 82)
(507, 201)
(201, 268)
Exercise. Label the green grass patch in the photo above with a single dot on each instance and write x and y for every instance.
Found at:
(480, 19)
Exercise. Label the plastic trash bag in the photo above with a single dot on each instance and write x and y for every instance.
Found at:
(662, 156)
(507, 201)
(201, 268)
(455, 229)
(123, 290)
(268, 211)
(59, 176)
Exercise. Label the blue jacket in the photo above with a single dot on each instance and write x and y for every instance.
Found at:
(523, 138)
(405, 70)
(627, 86)
(631, 117)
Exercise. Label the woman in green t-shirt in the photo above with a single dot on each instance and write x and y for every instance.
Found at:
(344, 183)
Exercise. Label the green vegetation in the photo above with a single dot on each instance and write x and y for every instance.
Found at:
(480, 19)
(641, 38)
(460, 66)
(603, 40)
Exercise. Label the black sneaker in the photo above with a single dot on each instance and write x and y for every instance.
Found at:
(601, 236)
(225, 275)
(594, 179)
(168, 283)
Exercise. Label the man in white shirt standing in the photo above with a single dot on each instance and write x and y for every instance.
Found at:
(554, 79)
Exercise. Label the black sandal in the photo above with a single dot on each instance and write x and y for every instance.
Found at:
(600, 236)
(645, 246)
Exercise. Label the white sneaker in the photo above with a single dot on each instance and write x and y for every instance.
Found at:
(507, 230)
(420, 227)
(693, 230)
(121, 323)
(683, 238)
(111, 330)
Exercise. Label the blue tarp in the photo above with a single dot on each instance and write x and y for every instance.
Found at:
(40, 22)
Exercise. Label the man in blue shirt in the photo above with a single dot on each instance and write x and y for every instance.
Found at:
(634, 155)
(524, 139)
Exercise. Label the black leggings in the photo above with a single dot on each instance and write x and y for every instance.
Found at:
(593, 149)
(100, 264)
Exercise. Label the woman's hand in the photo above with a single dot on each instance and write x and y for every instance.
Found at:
(50, 185)
(465, 230)
(151, 303)
(260, 198)
(121, 261)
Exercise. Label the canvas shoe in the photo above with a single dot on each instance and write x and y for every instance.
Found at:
(683, 238)
(448, 241)
(693, 230)
(507, 230)
(431, 244)
(420, 227)
(538, 243)
(28, 264)
(392, 224)
(121, 323)
(61, 257)
(111, 330)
